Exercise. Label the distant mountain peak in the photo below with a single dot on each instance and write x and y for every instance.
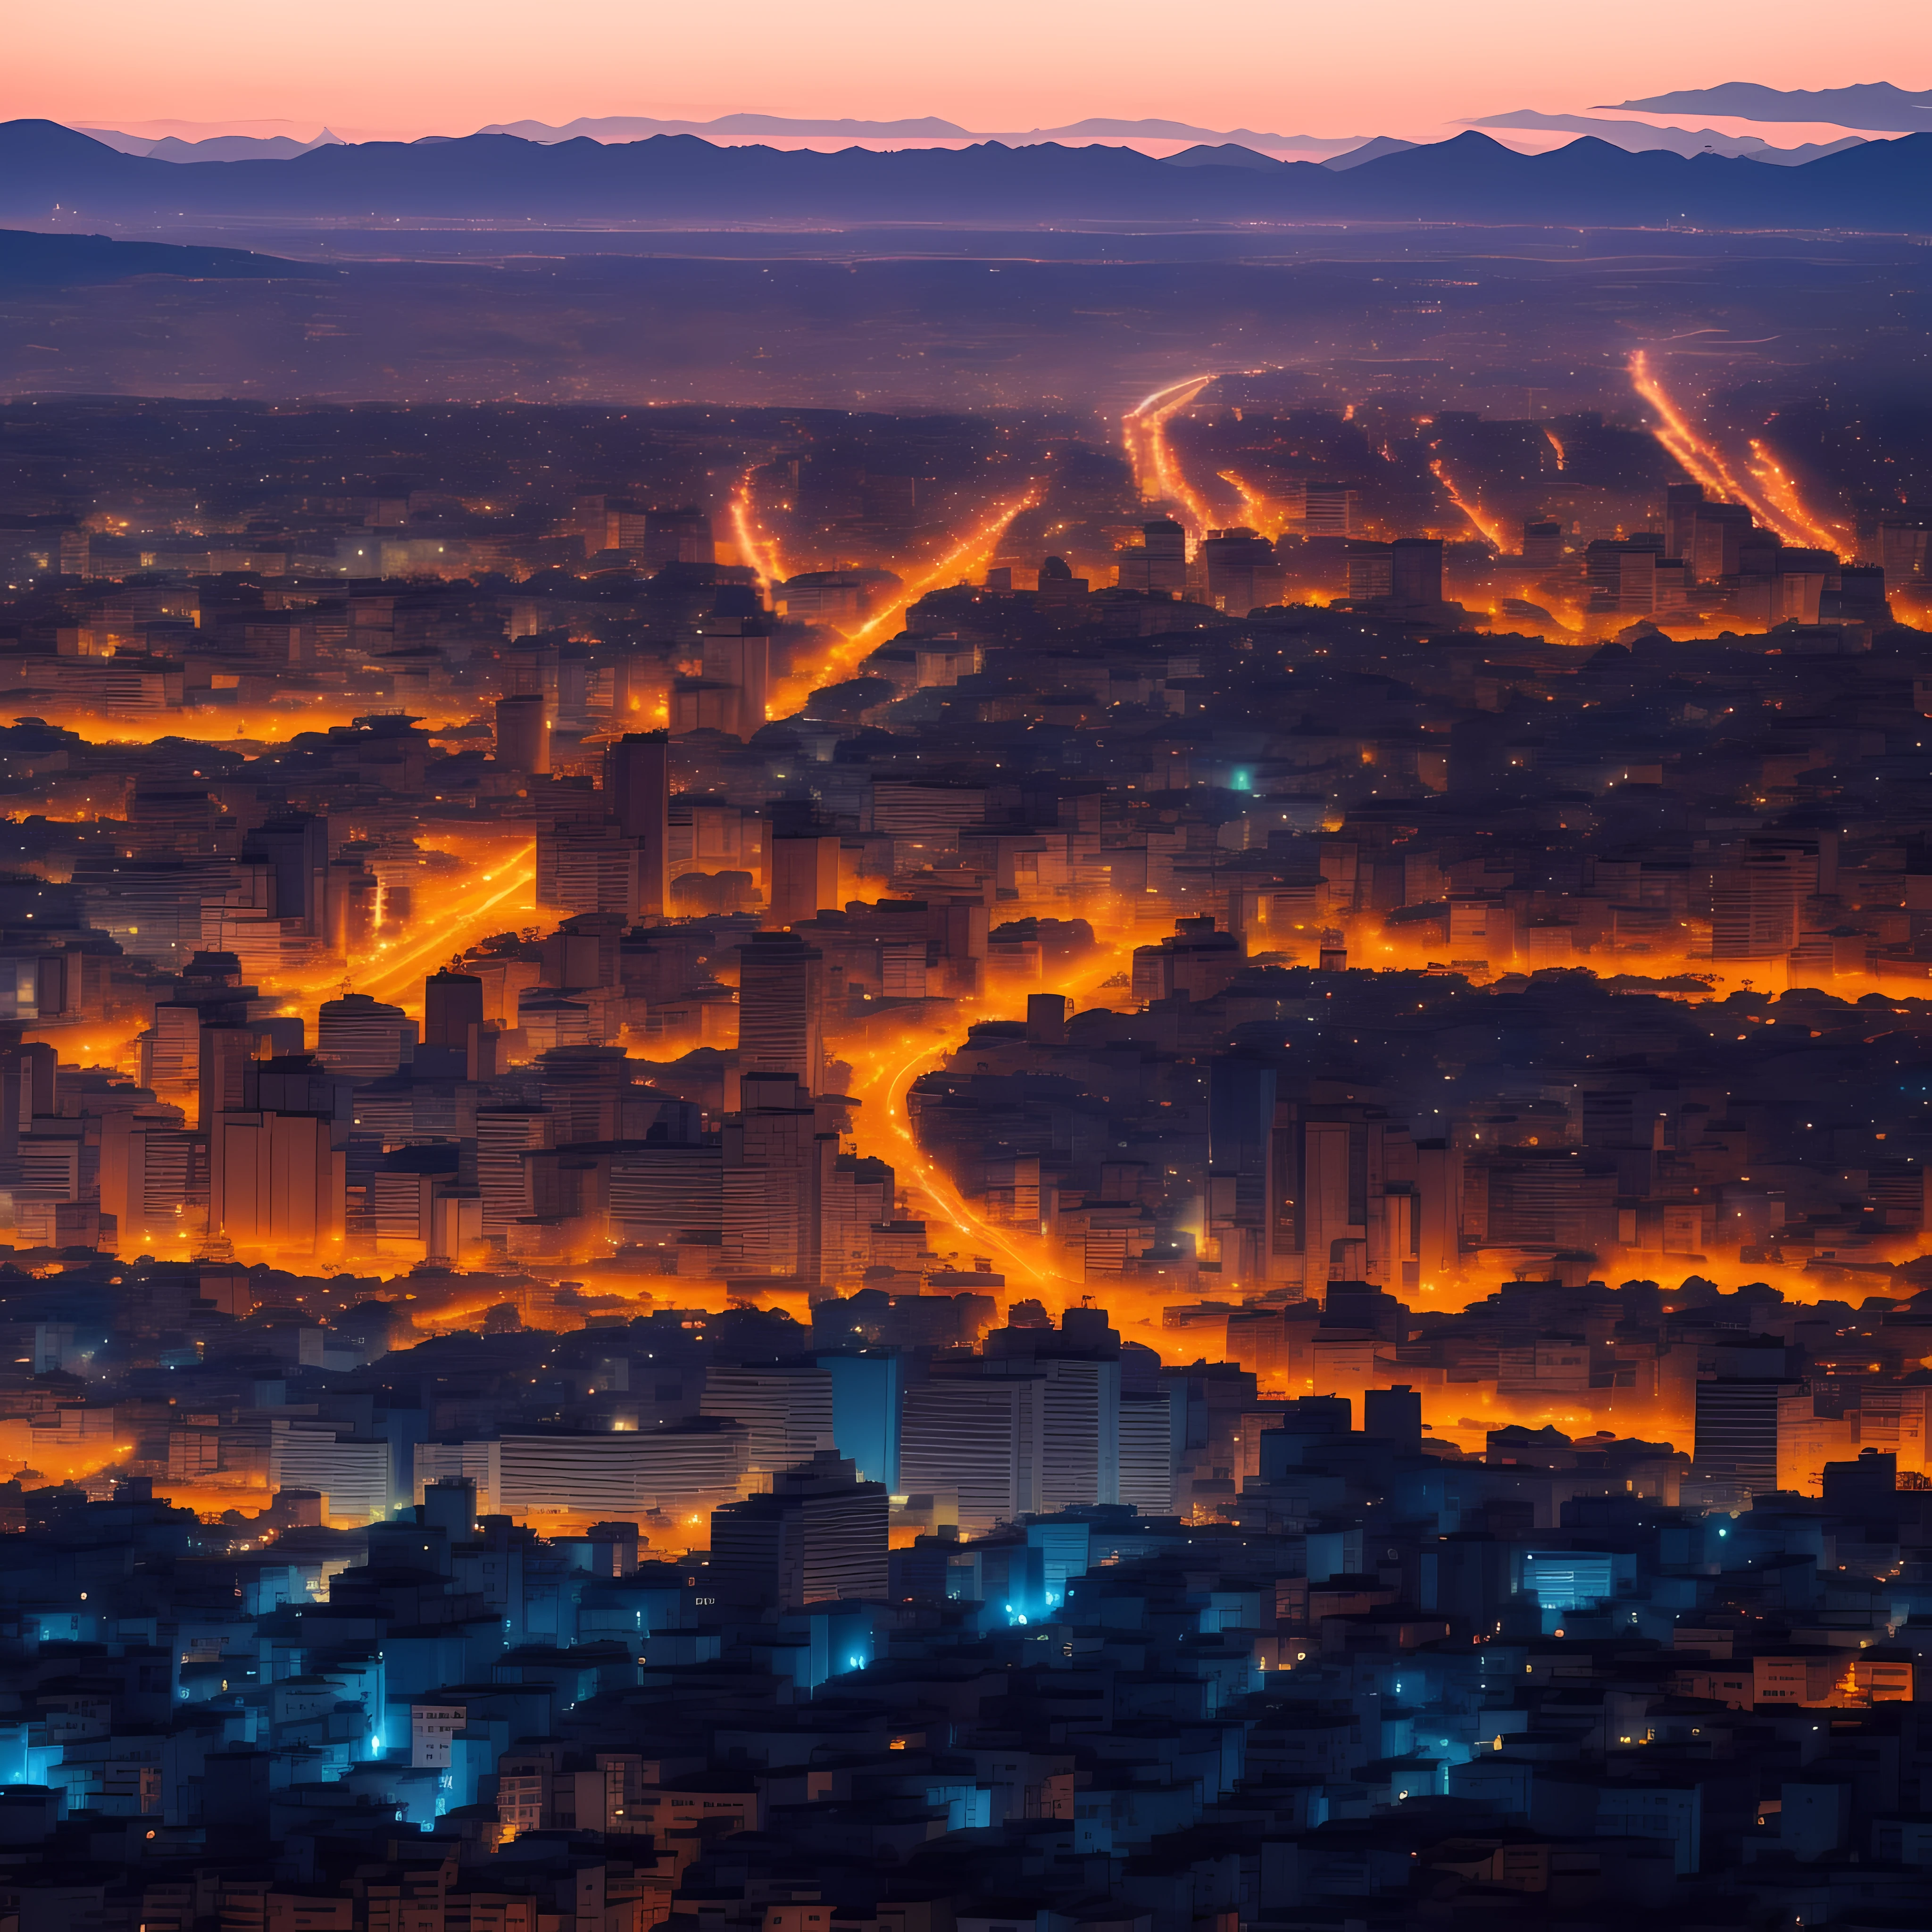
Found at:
(1228, 154)
(1874, 104)
(1370, 150)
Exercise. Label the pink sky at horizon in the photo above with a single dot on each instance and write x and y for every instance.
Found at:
(1410, 67)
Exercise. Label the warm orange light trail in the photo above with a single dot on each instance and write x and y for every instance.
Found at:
(1157, 475)
(1781, 489)
(451, 936)
(886, 1074)
(1493, 532)
(1255, 506)
(932, 1181)
(1703, 462)
(756, 549)
(1555, 442)
(964, 559)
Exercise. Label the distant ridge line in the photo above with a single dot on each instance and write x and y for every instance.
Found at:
(1883, 187)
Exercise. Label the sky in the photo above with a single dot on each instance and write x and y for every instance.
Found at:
(404, 67)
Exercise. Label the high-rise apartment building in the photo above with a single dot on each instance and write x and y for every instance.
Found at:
(981, 1438)
(452, 1025)
(1152, 1433)
(780, 1008)
(504, 1136)
(1738, 1423)
(1415, 570)
(868, 1392)
(777, 1165)
(819, 1536)
(637, 785)
(1080, 1402)
(1329, 510)
(682, 1468)
(804, 876)
(362, 1038)
(523, 734)
(786, 1408)
(275, 1182)
(295, 843)
(738, 660)
(1157, 565)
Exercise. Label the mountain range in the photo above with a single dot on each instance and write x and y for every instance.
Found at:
(1874, 104)
(52, 176)
(214, 147)
(1232, 154)
(926, 127)
(1640, 134)
(626, 127)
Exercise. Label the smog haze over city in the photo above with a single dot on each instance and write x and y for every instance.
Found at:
(965, 971)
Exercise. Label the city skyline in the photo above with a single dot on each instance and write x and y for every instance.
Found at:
(1007, 1038)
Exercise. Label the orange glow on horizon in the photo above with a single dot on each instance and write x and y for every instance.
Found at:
(221, 724)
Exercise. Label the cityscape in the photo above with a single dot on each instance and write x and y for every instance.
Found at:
(909, 1031)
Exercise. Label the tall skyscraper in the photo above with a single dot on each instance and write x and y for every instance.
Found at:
(804, 876)
(738, 655)
(1395, 1414)
(453, 1024)
(452, 1009)
(523, 735)
(1737, 1428)
(1755, 903)
(296, 844)
(681, 535)
(1240, 1163)
(1622, 575)
(780, 1008)
(777, 1162)
(1415, 570)
(1081, 1426)
(867, 1389)
(981, 1439)
(226, 1051)
(589, 869)
(820, 1535)
(1329, 510)
(1681, 502)
(1718, 531)
(275, 1182)
(504, 1136)
(638, 789)
(1158, 563)
(1153, 1432)
(637, 784)
(787, 1408)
